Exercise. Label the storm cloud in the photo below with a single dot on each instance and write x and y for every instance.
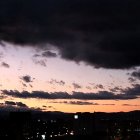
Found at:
(100, 33)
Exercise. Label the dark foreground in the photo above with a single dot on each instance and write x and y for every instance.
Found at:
(63, 126)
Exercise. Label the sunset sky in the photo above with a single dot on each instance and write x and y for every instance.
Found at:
(70, 55)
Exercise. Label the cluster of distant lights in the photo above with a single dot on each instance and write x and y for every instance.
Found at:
(43, 136)
(59, 134)
(68, 132)
(118, 136)
(65, 134)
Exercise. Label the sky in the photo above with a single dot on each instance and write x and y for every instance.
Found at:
(70, 56)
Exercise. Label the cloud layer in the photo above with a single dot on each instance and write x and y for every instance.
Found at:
(16, 106)
(128, 93)
(101, 33)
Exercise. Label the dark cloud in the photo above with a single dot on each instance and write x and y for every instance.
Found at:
(48, 107)
(101, 33)
(116, 89)
(88, 87)
(51, 107)
(54, 81)
(3, 64)
(99, 86)
(2, 44)
(81, 103)
(2, 96)
(46, 53)
(10, 103)
(26, 79)
(135, 75)
(36, 55)
(129, 105)
(31, 85)
(24, 85)
(108, 104)
(49, 54)
(131, 79)
(6, 107)
(132, 93)
(18, 104)
(75, 102)
(41, 62)
(76, 86)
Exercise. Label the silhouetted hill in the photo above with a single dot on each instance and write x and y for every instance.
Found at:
(132, 115)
